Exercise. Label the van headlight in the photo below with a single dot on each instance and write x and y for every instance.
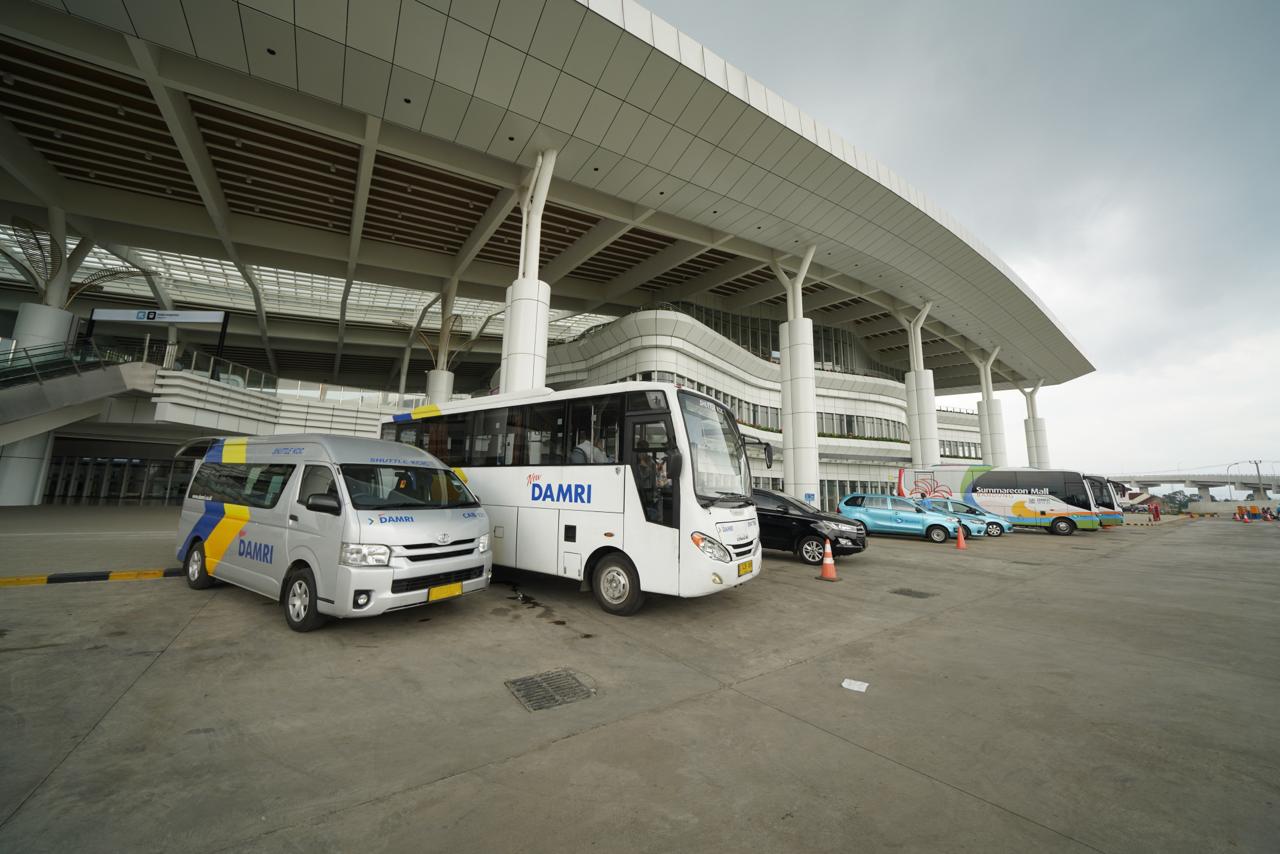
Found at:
(483, 543)
(361, 554)
(710, 547)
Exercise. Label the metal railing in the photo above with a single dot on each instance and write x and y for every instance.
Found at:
(21, 365)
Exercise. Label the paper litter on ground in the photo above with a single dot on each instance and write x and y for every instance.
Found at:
(855, 685)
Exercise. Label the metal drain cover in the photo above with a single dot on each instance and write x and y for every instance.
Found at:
(548, 690)
(914, 594)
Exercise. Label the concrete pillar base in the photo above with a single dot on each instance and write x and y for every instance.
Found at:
(23, 466)
(800, 442)
(991, 418)
(439, 386)
(922, 419)
(41, 325)
(524, 358)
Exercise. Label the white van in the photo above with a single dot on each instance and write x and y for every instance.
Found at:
(331, 525)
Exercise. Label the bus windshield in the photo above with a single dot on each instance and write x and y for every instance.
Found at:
(405, 487)
(1100, 491)
(719, 458)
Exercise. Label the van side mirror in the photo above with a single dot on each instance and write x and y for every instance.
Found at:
(768, 455)
(323, 503)
(675, 462)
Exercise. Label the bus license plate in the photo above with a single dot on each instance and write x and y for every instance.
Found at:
(744, 568)
(444, 591)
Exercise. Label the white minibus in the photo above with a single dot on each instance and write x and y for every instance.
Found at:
(629, 488)
(331, 525)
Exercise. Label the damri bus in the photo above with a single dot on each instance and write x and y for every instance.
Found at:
(629, 488)
(1105, 501)
(1051, 499)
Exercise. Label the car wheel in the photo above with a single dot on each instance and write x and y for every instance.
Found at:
(995, 529)
(936, 533)
(197, 576)
(616, 586)
(811, 549)
(301, 608)
(1063, 527)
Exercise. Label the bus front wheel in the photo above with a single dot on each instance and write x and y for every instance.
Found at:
(1063, 527)
(616, 586)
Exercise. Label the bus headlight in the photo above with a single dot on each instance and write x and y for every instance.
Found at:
(361, 554)
(710, 547)
(483, 543)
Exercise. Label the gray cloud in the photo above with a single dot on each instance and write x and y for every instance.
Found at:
(1121, 157)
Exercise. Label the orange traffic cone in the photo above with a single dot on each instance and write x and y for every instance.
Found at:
(828, 564)
(960, 537)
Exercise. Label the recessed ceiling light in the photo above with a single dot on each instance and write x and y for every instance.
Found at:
(511, 139)
(271, 51)
(408, 100)
(715, 212)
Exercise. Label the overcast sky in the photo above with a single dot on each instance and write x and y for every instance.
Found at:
(1123, 158)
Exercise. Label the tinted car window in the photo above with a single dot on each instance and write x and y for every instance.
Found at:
(903, 504)
(853, 501)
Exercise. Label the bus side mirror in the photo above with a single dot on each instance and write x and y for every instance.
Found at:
(323, 503)
(675, 462)
(768, 455)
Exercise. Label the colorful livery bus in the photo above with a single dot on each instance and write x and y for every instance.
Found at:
(1051, 499)
(629, 488)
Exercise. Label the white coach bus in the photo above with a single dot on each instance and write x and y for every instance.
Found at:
(629, 488)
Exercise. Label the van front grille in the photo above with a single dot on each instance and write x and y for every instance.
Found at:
(743, 549)
(422, 582)
(420, 546)
(442, 555)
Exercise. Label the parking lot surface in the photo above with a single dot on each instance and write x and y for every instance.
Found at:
(1115, 691)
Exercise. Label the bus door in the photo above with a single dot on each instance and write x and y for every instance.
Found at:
(649, 443)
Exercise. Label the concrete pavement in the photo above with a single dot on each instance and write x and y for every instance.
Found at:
(1114, 691)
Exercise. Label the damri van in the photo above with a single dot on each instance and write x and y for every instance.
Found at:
(331, 525)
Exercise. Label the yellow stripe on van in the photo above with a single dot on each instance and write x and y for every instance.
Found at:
(233, 450)
(462, 475)
(430, 410)
(224, 534)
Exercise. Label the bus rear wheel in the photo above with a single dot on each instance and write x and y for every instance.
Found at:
(1063, 527)
(616, 586)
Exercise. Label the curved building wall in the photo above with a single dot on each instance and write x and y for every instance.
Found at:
(862, 420)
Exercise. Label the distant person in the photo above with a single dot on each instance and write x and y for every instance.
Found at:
(1155, 512)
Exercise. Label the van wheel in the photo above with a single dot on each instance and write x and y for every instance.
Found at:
(1063, 527)
(616, 586)
(937, 534)
(197, 577)
(301, 609)
(995, 529)
(810, 550)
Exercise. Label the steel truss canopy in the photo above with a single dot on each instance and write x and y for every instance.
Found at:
(346, 159)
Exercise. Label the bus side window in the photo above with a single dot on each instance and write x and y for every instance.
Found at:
(489, 438)
(445, 437)
(409, 434)
(545, 434)
(595, 429)
(1073, 492)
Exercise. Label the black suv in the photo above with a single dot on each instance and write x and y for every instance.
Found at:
(793, 526)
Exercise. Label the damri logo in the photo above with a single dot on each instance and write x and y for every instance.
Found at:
(257, 552)
(384, 518)
(564, 493)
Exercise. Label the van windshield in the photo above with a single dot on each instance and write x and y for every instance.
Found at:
(385, 487)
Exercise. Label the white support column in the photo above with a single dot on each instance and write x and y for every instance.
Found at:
(1036, 432)
(528, 308)
(799, 390)
(990, 414)
(922, 409)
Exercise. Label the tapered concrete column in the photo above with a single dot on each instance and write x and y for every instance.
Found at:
(799, 389)
(1205, 495)
(788, 475)
(922, 408)
(1035, 430)
(528, 305)
(440, 380)
(990, 414)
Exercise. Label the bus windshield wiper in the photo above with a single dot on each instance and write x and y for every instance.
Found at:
(743, 500)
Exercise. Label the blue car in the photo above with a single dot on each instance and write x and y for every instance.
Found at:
(889, 514)
(993, 525)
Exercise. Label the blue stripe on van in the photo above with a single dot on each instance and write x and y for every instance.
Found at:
(213, 513)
